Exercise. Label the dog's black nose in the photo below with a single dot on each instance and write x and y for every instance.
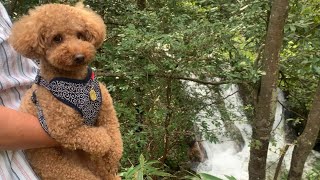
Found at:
(79, 58)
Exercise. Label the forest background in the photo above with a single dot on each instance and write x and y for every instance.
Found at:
(154, 47)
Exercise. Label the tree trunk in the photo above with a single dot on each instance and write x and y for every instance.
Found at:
(307, 139)
(167, 121)
(265, 109)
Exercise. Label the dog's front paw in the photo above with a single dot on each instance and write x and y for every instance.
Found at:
(100, 144)
(93, 140)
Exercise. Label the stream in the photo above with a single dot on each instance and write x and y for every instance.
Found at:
(230, 154)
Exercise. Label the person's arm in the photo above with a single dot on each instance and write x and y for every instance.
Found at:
(21, 131)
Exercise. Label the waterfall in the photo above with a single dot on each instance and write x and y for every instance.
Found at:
(230, 156)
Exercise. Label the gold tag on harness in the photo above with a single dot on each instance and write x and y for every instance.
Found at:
(93, 95)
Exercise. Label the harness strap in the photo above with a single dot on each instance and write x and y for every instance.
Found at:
(40, 81)
(39, 112)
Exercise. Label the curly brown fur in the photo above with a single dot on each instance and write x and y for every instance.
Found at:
(55, 34)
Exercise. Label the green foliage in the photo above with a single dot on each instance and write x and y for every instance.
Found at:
(144, 170)
(314, 173)
(205, 176)
(300, 62)
(154, 49)
(299, 71)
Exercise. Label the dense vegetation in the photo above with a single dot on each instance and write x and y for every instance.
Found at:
(154, 48)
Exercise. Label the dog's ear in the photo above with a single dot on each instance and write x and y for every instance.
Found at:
(26, 37)
(94, 25)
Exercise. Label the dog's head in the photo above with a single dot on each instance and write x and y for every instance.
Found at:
(65, 36)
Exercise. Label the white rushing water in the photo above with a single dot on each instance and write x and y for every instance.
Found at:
(229, 156)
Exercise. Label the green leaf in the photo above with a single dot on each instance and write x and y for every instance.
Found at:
(141, 160)
(189, 177)
(316, 69)
(140, 175)
(161, 173)
(133, 171)
(152, 162)
(205, 176)
(292, 28)
(230, 177)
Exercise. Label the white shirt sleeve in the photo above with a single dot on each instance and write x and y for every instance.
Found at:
(17, 73)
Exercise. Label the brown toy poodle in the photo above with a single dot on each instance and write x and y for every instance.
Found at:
(72, 106)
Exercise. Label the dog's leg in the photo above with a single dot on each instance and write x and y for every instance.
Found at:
(57, 166)
(107, 166)
(94, 140)
(108, 119)
(66, 126)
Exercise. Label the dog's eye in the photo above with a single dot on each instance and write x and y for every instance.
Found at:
(81, 36)
(57, 38)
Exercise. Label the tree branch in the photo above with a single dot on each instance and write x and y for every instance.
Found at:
(177, 77)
